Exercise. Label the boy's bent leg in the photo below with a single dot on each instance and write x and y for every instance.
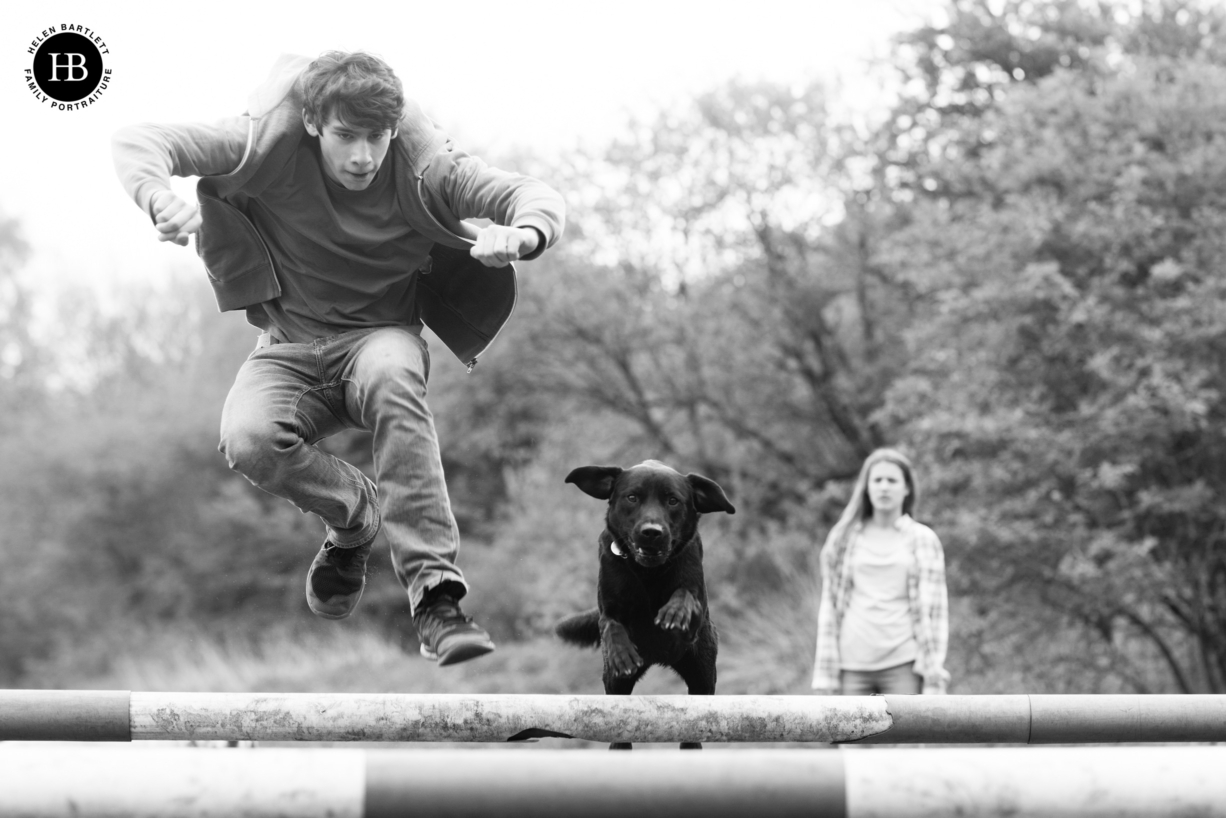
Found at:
(277, 409)
(386, 391)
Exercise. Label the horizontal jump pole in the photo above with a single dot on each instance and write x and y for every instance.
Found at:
(97, 781)
(80, 715)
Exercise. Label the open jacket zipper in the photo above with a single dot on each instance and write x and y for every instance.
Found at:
(471, 364)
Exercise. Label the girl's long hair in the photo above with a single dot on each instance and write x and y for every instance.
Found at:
(859, 507)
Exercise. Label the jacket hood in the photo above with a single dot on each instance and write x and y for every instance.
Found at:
(281, 79)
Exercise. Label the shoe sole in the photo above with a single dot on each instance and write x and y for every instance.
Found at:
(333, 617)
(326, 611)
(460, 653)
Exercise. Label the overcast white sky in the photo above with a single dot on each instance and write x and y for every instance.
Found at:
(542, 73)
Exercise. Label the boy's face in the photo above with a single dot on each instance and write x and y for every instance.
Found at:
(350, 155)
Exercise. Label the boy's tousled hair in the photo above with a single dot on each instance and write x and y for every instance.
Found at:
(360, 89)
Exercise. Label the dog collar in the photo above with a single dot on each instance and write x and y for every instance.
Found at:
(617, 552)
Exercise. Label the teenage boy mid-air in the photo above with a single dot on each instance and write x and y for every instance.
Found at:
(332, 212)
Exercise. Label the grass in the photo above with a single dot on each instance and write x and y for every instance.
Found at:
(355, 661)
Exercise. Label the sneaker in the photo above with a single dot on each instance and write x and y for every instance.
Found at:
(336, 579)
(447, 635)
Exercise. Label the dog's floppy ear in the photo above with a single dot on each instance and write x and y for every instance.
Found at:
(708, 496)
(595, 480)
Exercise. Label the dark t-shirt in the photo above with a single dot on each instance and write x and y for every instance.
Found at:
(345, 259)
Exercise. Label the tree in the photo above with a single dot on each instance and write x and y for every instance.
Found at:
(18, 384)
(951, 74)
(703, 298)
(1067, 382)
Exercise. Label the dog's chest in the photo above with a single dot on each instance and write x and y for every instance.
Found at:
(637, 598)
(648, 588)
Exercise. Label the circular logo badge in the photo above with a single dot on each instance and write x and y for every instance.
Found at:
(68, 71)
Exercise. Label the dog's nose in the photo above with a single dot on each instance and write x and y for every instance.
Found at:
(651, 532)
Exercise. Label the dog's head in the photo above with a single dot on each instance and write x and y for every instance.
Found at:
(653, 509)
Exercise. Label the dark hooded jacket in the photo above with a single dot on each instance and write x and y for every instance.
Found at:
(462, 301)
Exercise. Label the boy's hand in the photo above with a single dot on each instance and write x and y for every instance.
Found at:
(174, 218)
(498, 246)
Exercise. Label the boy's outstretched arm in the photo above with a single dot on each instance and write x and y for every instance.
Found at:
(528, 216)
(147, 155)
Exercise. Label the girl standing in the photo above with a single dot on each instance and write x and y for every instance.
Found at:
(883, 618)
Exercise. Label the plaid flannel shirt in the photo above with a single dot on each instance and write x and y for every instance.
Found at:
(926, 594)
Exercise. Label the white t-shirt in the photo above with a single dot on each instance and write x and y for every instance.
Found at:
(877, 631)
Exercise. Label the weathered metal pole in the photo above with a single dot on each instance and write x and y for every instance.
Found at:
(1050, 719)
(72, 716)
(33, 715)
(65, 715)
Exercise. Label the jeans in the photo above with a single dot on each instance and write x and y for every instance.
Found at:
(287, 397)
(897, 679)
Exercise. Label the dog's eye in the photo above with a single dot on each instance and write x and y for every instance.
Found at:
(673, 501)
(632, 498)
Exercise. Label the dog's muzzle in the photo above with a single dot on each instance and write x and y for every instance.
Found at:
(651, 544)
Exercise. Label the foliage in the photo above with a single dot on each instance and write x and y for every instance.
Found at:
(703, 302)
(954, 73)
(1068, 383)
(18, 352)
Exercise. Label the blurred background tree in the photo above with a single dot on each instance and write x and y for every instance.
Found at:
(1065, 378)
(1067, 384)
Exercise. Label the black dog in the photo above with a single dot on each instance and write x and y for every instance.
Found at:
(652, 599)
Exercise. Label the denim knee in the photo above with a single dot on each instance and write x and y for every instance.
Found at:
(394, 355)
(252, 449)
(390, 377)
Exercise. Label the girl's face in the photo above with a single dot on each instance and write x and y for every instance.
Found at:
(887, 486)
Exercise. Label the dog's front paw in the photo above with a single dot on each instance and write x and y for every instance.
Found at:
(622, 658)
(678, 611)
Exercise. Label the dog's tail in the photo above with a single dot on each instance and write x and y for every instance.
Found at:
(581, 629)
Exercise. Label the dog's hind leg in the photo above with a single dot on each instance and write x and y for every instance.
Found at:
(697, 670)
(622, 686)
